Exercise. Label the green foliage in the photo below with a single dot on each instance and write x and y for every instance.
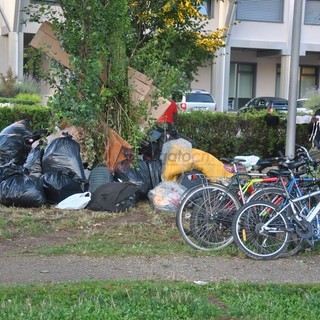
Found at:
(102, 38)
(21, 99)
(165, 45)
(93, 94)
(28, 86)
(30, 97)
(220, 134)
(162, 60)
(38, 116)
(8, 83)
(313, 101)
(229, 135)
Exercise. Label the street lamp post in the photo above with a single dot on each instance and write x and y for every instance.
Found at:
(293, 79)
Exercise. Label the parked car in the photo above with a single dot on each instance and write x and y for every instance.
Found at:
(263, 103)
(197, 100)
(301, 108)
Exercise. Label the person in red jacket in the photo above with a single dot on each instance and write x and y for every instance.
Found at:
(169, 116)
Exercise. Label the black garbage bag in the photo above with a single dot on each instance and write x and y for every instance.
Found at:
(9, 169)
(62, 184)
(21, 190)
(139, 176)
(114, 197)
(13, 148)
(21, 128)
(155, 169)
(34, 160)
(150, 147)
(61, 154)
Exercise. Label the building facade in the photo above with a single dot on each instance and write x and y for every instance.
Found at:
(254, 62)
(256, 58)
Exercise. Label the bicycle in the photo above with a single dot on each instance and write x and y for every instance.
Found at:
(296, 186)
(263, 230)
(205, 213)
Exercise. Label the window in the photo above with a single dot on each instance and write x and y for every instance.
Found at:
(241, 84)
(312, 12)
(43, 1)
(260, 10)
(308, 79)
(205, 8)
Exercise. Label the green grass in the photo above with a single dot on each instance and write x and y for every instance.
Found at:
(159, 300)
(140, 231)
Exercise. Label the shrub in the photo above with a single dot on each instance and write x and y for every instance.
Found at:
(313, 101)
(38, 116)
(31, 97)
(28, 85)
(8, 83)
(229, 135)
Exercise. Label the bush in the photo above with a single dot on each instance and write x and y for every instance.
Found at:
(38, 116)
(8, 82)
(220, 134)
(313, 101)
(16, 101)
(229, 135)
(28, 85)
(31, 97)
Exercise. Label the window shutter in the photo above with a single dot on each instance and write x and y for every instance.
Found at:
(260, 10)
(312, 12)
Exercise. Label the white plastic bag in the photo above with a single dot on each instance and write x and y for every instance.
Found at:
(166, 195)
(76, 201)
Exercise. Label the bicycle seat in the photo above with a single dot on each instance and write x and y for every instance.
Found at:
(278, 173)
(292, 165)
(262, 164)
(232, 160)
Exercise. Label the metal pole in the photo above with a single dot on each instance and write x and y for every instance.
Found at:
(293, 80)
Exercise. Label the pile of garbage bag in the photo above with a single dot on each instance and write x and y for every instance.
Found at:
(36, 172)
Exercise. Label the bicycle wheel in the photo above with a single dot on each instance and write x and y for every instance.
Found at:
(277, 196)
(204, 217)
(260, 231)
(272, 194)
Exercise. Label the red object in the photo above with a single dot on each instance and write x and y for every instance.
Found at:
(183, 106)
(169, 114)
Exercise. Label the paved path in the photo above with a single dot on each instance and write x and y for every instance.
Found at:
(35, 269)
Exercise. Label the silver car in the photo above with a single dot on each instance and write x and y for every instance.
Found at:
(197, 99)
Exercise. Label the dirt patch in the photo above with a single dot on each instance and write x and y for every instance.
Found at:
(20, 263)
(28, 244)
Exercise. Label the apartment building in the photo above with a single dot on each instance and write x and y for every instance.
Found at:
(254, 62)
(256, 59)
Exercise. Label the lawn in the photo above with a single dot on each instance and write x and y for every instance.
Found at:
(159, 300)
(141, 231)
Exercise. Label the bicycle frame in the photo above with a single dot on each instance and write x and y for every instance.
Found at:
(297, 216)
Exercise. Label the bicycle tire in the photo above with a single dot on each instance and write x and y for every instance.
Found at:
(270, 194)
(248, 233)
(204, 217)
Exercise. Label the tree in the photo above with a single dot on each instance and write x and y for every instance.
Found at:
(163, 39)
(171, 34)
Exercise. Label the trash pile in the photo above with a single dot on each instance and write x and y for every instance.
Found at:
(34, 173)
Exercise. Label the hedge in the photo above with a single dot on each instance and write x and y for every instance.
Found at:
(220, 134)
(232, 134)
(38, 116)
